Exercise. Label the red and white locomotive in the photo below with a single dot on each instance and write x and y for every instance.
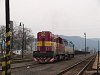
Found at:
(51, 48)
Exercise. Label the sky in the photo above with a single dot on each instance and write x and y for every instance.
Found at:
(61, 17)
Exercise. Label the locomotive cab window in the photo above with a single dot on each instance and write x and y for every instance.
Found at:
(65, 42)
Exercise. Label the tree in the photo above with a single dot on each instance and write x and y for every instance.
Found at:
(17, 36)
(2, 36)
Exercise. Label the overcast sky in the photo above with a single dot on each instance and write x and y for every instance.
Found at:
(62, 17)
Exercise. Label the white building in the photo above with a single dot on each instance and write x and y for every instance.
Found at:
(18, 52)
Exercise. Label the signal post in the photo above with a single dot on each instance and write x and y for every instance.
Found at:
(6, 60)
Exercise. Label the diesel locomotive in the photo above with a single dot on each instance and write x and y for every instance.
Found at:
(52, 48)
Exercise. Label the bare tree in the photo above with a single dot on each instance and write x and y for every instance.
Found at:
(17, 36)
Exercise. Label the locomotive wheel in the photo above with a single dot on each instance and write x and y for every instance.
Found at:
(58, 57)
(64, 57)
(72, 55)
(69, 56)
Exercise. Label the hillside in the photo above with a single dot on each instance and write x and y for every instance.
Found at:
(79, 41)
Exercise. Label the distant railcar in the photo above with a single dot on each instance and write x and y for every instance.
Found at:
(77, 52)
(52, 48)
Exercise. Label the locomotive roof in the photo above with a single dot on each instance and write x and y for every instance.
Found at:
(44, 31)
(65, 40)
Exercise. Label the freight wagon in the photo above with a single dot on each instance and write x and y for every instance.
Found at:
(52, 48)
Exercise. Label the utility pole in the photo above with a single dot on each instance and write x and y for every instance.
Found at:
(85, 43)
(11, 26)
(73, 47)
(22, 40)
(98, 59)
(6, 60)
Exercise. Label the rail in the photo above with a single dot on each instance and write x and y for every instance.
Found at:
(71, 67)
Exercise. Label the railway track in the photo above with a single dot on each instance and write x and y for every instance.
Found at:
(32, 65)
(78, 68)
(19, 68)
(18, 62)
(46, 69)
(28, 66)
